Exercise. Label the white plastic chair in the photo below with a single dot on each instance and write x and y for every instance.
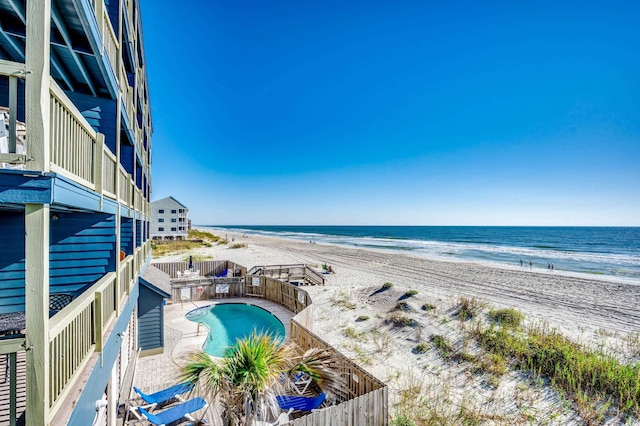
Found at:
(178, 274)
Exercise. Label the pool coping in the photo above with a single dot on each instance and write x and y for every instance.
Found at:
(280, 338)
(193, 336)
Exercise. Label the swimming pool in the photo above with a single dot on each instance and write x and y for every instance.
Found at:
(228, 322)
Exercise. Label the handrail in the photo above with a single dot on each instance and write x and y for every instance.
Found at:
(310, 272)
(109, 172)
(64, 317)
(124, 180)
(10, 68)
(73, 140)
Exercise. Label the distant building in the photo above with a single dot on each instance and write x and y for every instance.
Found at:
(169, 220)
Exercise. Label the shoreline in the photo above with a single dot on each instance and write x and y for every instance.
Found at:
(436, 258)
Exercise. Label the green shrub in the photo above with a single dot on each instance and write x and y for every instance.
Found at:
(443, 345)
(507, 317)
(428, 307)
(400, 320)
(363, 318)
(387, 286)
(411, 293)
(421, 347)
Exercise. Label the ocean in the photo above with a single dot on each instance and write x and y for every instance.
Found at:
(608, 251)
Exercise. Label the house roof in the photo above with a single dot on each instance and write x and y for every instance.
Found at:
(156, 280)
(169, 198)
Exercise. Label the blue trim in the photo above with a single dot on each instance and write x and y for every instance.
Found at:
(22, 186)
(69, 193)
(94, 387)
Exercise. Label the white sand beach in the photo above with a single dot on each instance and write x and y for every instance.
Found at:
(596, 311)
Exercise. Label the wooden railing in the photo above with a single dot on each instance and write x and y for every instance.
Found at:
(109, 170)
(72, 139)
(109, 39)
(79, 329)
(289, 273)
(123, 185)
(12, 353)
(74, 333)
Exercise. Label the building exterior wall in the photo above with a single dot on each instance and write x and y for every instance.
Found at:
(151, 320)
(169, 220)
(74, 203)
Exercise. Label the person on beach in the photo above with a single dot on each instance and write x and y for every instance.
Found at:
(521, 263)
(530, 265)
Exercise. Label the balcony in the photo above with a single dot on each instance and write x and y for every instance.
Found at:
(76, 151)
(77, 334)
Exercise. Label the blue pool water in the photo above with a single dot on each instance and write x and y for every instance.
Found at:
(228, 322)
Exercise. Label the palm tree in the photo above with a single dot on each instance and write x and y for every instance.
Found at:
(247, 380)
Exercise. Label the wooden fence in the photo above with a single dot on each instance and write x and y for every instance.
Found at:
(206, 289)
(361, 400)
(205, 268)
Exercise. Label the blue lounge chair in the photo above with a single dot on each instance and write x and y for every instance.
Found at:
(222, 274)
(164, 395)
(300, 403)
(174, 414)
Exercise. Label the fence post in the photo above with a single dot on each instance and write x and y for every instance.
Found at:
(98, 165)
(98, 320)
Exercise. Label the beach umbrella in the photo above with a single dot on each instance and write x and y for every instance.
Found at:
(190, 262)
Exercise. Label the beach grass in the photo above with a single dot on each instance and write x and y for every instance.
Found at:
(443, 345)
(174, 247)
(592, 379)
(469, 308)
(428, 307)
(195, 234)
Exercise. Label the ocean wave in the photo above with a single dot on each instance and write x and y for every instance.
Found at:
(479, 249)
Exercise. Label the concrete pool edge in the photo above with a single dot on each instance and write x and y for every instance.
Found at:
(191, 341)
(227, 321)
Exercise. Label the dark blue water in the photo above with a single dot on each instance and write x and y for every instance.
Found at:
(613, 251)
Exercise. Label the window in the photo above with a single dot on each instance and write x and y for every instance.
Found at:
(173, 220)
(161, 211)
(161, 220)
(173, 229)
(174, 211)
(161, 229)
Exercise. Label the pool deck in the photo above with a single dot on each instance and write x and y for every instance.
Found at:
(181, 337)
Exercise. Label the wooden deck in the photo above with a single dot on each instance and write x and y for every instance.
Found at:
(182, 336)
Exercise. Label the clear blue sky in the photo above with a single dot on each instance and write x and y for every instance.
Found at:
(396, 112)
